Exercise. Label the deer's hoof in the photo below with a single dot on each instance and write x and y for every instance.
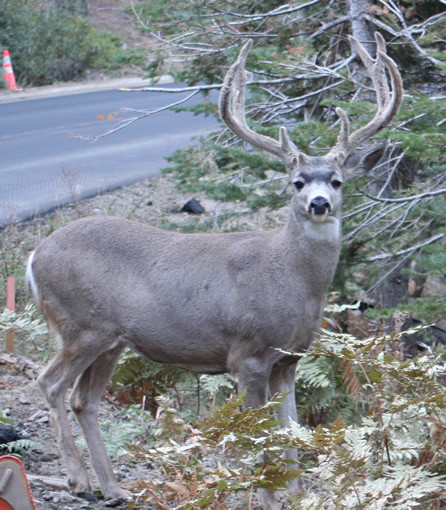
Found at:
(111, 503)
(88, 496)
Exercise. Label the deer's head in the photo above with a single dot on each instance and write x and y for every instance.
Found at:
(317, 181)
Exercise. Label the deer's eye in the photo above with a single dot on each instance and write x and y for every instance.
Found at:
(336, 183)
(299, 185)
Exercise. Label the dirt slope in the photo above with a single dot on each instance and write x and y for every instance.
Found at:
(21, 401)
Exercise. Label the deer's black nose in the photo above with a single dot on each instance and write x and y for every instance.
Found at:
(319, 205)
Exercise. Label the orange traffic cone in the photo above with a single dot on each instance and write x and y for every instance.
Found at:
(8, 72)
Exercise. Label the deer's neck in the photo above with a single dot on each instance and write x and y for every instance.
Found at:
(312, 232)
(313, 248)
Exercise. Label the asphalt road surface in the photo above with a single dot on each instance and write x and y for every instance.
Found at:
(43, 165)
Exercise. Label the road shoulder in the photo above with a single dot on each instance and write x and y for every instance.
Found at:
(64, 89)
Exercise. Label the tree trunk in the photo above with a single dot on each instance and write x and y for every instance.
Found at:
(361, 28)
(395, 289)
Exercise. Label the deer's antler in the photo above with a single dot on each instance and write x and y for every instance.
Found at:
(233, 115)
(389, 99)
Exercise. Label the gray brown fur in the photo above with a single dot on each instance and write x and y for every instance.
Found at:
(207, 302)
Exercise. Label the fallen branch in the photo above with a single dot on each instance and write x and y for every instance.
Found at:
(56, 483)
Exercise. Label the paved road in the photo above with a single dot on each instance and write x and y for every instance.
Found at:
(43, 166)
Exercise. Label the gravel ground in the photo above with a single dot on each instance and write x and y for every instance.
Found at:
(21, 401)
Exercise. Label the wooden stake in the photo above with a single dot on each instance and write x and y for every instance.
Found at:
(10, 305)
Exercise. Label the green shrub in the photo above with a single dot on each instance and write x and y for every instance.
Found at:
(50, 46)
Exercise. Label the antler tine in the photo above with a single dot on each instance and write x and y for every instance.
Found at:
(233, 113)
(389, 98)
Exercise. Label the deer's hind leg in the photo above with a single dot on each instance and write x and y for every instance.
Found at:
(85, 400)
(54, 382)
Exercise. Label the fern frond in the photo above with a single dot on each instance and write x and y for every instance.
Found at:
(351, 380)
(20, 445)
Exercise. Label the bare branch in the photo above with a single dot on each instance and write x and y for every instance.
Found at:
(280, 11)
(213, 86)
(126, 122)
(407, 31)
(410, 250)
(328, 26)
(421, 196)
(396, 266)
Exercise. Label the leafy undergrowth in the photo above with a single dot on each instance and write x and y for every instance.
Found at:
(371, 435)
(51, 44)
(392, 455)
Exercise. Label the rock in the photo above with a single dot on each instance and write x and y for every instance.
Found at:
(12, 363)
(8, 434)
(48, 457)
(112, 503)
(193, 206)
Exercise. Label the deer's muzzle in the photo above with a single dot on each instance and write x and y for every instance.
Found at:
(319, 205)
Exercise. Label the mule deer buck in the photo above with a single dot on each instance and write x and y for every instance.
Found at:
(210, 303)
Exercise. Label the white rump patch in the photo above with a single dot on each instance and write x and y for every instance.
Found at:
(32, 285)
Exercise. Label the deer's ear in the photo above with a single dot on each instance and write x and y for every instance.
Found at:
(363, 160)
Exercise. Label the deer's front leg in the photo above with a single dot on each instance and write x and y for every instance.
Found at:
(253, 376)
(282, 380)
